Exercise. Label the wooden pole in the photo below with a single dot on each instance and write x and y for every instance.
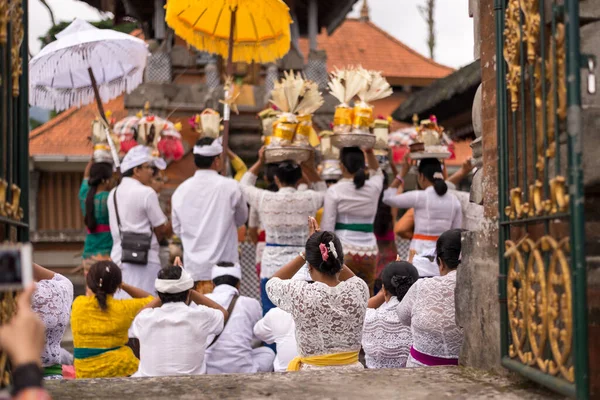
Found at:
(226, 110)
(113, 149)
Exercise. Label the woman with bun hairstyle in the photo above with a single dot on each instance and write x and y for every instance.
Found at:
(428, 308)
(350, 210)
(283, 213)
(329, 313)
(435, 211)
(100, 324)
(386, 341)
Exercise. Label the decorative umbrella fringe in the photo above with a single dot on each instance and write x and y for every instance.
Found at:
(59, 100)
(263, 51)
(86, 56)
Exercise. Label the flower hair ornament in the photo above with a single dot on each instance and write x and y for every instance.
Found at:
(332, 249)
(324, 252)
(438, 175)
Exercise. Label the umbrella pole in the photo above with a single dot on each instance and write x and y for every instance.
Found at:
(226, 109)
(113, 149)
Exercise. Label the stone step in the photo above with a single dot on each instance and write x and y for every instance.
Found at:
(408, 383)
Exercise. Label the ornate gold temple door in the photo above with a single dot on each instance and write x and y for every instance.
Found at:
(14, 131)
(542, 279)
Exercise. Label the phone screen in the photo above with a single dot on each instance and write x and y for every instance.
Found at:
(15, 267)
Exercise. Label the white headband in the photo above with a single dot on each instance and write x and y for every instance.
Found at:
(235, 271)
(171, 286)
(214, 149)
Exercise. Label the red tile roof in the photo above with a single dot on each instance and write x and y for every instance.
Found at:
(363, 42)
(68, 133)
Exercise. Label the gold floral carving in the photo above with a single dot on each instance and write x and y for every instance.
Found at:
(4, 17)
(16, 19)
(558, 193)
(556, 62)
(537, 304)
(517, 208)
(531, 27)
(540, 304)
(516, 293)
(560, 310)
(512, 42)
(536, 198)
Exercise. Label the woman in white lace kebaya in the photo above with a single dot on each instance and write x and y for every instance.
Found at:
(329, 313)
(386, 341)
(350, 209)
(52, 301)
(283, 214)
(428, 308)
(436, 211)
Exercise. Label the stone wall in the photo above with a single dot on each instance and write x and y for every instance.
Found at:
(477, 308)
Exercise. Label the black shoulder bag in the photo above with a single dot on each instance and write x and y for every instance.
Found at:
(135, 246)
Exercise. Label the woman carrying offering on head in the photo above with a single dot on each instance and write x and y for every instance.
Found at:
(328, 313)
(350, 210)
(436, 211)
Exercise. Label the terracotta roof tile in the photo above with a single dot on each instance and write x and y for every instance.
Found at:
(362, 42)
(68, 133)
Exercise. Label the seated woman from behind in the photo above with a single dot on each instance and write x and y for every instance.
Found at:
(100, 324)
(329, 313)
(428, 308)
(386, 341)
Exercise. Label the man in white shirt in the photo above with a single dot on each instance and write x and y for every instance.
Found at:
(173, 336)
(278, 327)
(138, 212)
(207, 209)
(232, 351)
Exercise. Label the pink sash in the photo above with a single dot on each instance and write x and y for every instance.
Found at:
(431, 361)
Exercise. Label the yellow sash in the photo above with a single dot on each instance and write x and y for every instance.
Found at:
(325, 360)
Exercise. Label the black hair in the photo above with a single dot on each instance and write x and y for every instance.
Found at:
(397, 277)
(103, 279)
(226, 280)
(383, 218)
(128, 173)
(204, 162)
(270, 172)
(99, 172)
(429, 167)
(448, 248)
(172, 273)
(331, 181)
(288, 173)
(314, 257)
(353, 160)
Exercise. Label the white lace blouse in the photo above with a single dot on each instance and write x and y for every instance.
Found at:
(386, 341)
(52, 301)
(428, 307)
(284, 215)
(328, 319)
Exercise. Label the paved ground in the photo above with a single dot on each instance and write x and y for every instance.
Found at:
(423, 383)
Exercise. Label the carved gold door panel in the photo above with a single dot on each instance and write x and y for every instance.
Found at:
(542, 264)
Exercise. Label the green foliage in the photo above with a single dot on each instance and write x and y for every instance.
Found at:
(50, 36)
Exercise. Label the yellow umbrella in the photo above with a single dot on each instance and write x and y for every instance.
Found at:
(238, 30)
(261, 28)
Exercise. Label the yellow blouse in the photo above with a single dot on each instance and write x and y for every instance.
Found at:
(97, 329)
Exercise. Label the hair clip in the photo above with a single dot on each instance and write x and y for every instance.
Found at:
(107, 269)
(100, 283)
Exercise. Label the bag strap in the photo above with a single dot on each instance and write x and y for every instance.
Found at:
(229, 311)
(117, 209)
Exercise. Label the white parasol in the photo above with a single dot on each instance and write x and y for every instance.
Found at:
(86, 64)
